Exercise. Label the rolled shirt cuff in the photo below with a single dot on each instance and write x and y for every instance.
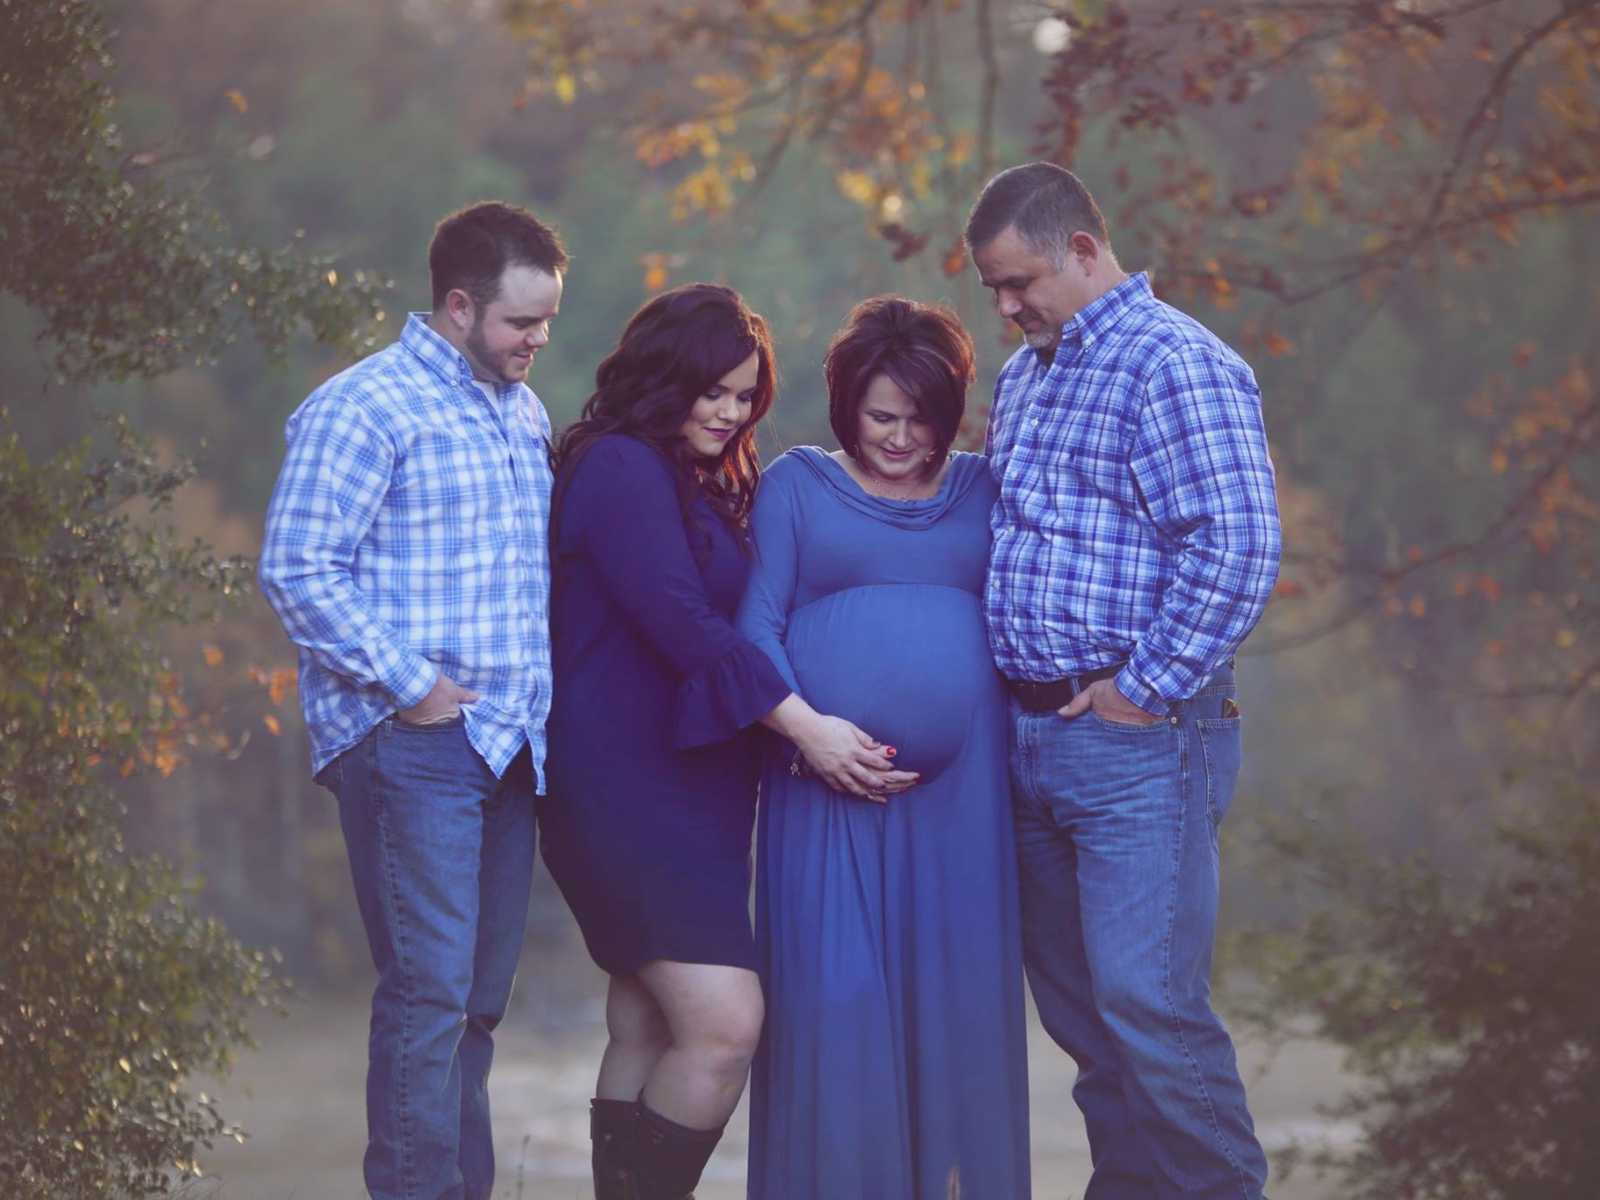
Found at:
(411, 682)
(1141, 693)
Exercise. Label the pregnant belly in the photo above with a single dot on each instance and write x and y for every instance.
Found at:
(908, 664)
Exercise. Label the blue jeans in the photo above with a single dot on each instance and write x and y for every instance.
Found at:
(441, 853)
(1117, 843)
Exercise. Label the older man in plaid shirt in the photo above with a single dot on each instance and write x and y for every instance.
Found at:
(1136, 541)
(407, 556)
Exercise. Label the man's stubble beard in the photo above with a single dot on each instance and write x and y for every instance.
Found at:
(478, 353)
(1043, 342)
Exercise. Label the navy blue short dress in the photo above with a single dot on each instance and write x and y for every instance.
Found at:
(652, 761)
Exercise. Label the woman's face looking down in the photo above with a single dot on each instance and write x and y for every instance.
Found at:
(893, 439)
(722, 411)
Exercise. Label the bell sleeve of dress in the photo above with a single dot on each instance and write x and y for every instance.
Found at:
(624, 513)
(769, 596)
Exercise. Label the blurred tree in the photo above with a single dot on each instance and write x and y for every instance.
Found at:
(1467, 1009)
(899, 100)
(128, 276)
(1417, 133)
(113, 991)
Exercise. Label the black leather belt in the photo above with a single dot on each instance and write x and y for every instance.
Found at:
(1056, 693)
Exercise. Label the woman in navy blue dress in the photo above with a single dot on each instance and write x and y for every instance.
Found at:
(652, 765)
(893, 1064)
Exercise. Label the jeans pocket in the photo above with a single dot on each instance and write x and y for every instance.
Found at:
(1128, 726)
(1219, 739)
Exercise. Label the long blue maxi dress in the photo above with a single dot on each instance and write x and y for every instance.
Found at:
(894, 1054)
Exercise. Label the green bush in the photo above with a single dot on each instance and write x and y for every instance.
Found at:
(127, 275)
(1470, 1011)
(113, 991)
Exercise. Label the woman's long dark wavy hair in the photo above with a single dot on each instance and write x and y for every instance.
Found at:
(673, 351)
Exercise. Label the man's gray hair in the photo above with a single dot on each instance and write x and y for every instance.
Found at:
(1047, 204)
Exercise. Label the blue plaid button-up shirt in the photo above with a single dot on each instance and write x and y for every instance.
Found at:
(1137, 517)
(407, 536)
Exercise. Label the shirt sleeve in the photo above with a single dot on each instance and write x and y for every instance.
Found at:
(628, 521)
(334, 479)
(1201, 464)
(769, 596)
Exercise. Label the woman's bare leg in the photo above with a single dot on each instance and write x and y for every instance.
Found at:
(713, 1015)
(638, 1037)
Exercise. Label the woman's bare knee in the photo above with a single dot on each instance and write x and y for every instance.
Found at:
(741, 1033)
(726, 1044)
(714, 1012)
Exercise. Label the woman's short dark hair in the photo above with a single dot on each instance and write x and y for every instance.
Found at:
(673, 351)
(923, 348)
(473, 246)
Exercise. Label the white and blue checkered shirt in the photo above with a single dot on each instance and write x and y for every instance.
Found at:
(407, 536)
(1137, 517)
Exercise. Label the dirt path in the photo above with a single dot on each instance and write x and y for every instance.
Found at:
(301, 1097)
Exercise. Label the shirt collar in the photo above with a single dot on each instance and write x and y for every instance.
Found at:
(434, 352)
(1098, 317)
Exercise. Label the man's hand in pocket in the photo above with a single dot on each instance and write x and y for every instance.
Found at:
(442, 703)
(1103, 699)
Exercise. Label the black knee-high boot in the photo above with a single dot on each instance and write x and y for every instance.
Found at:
(669, 1157)
(613, 1128)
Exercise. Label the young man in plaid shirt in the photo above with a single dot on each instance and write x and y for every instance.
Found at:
(1136, 541)
(406, 554)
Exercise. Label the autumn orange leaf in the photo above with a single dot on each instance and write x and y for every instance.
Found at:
(282, 679)
(955, 261)
(655, 271)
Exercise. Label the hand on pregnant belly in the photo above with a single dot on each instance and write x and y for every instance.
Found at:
(907, 664)
(847, 759)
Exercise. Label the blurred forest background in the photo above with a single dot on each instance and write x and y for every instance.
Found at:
(1387, 205)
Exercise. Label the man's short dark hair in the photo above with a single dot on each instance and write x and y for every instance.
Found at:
(473, 246)
(1046, 203)
(922, 347)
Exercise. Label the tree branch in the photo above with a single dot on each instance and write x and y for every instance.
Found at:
(1386, 576)
(990, 86)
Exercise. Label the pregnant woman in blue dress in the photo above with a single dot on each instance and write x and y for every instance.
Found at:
(894, 1056)
(647, 829)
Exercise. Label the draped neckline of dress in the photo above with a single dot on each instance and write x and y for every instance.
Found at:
(964, 471)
